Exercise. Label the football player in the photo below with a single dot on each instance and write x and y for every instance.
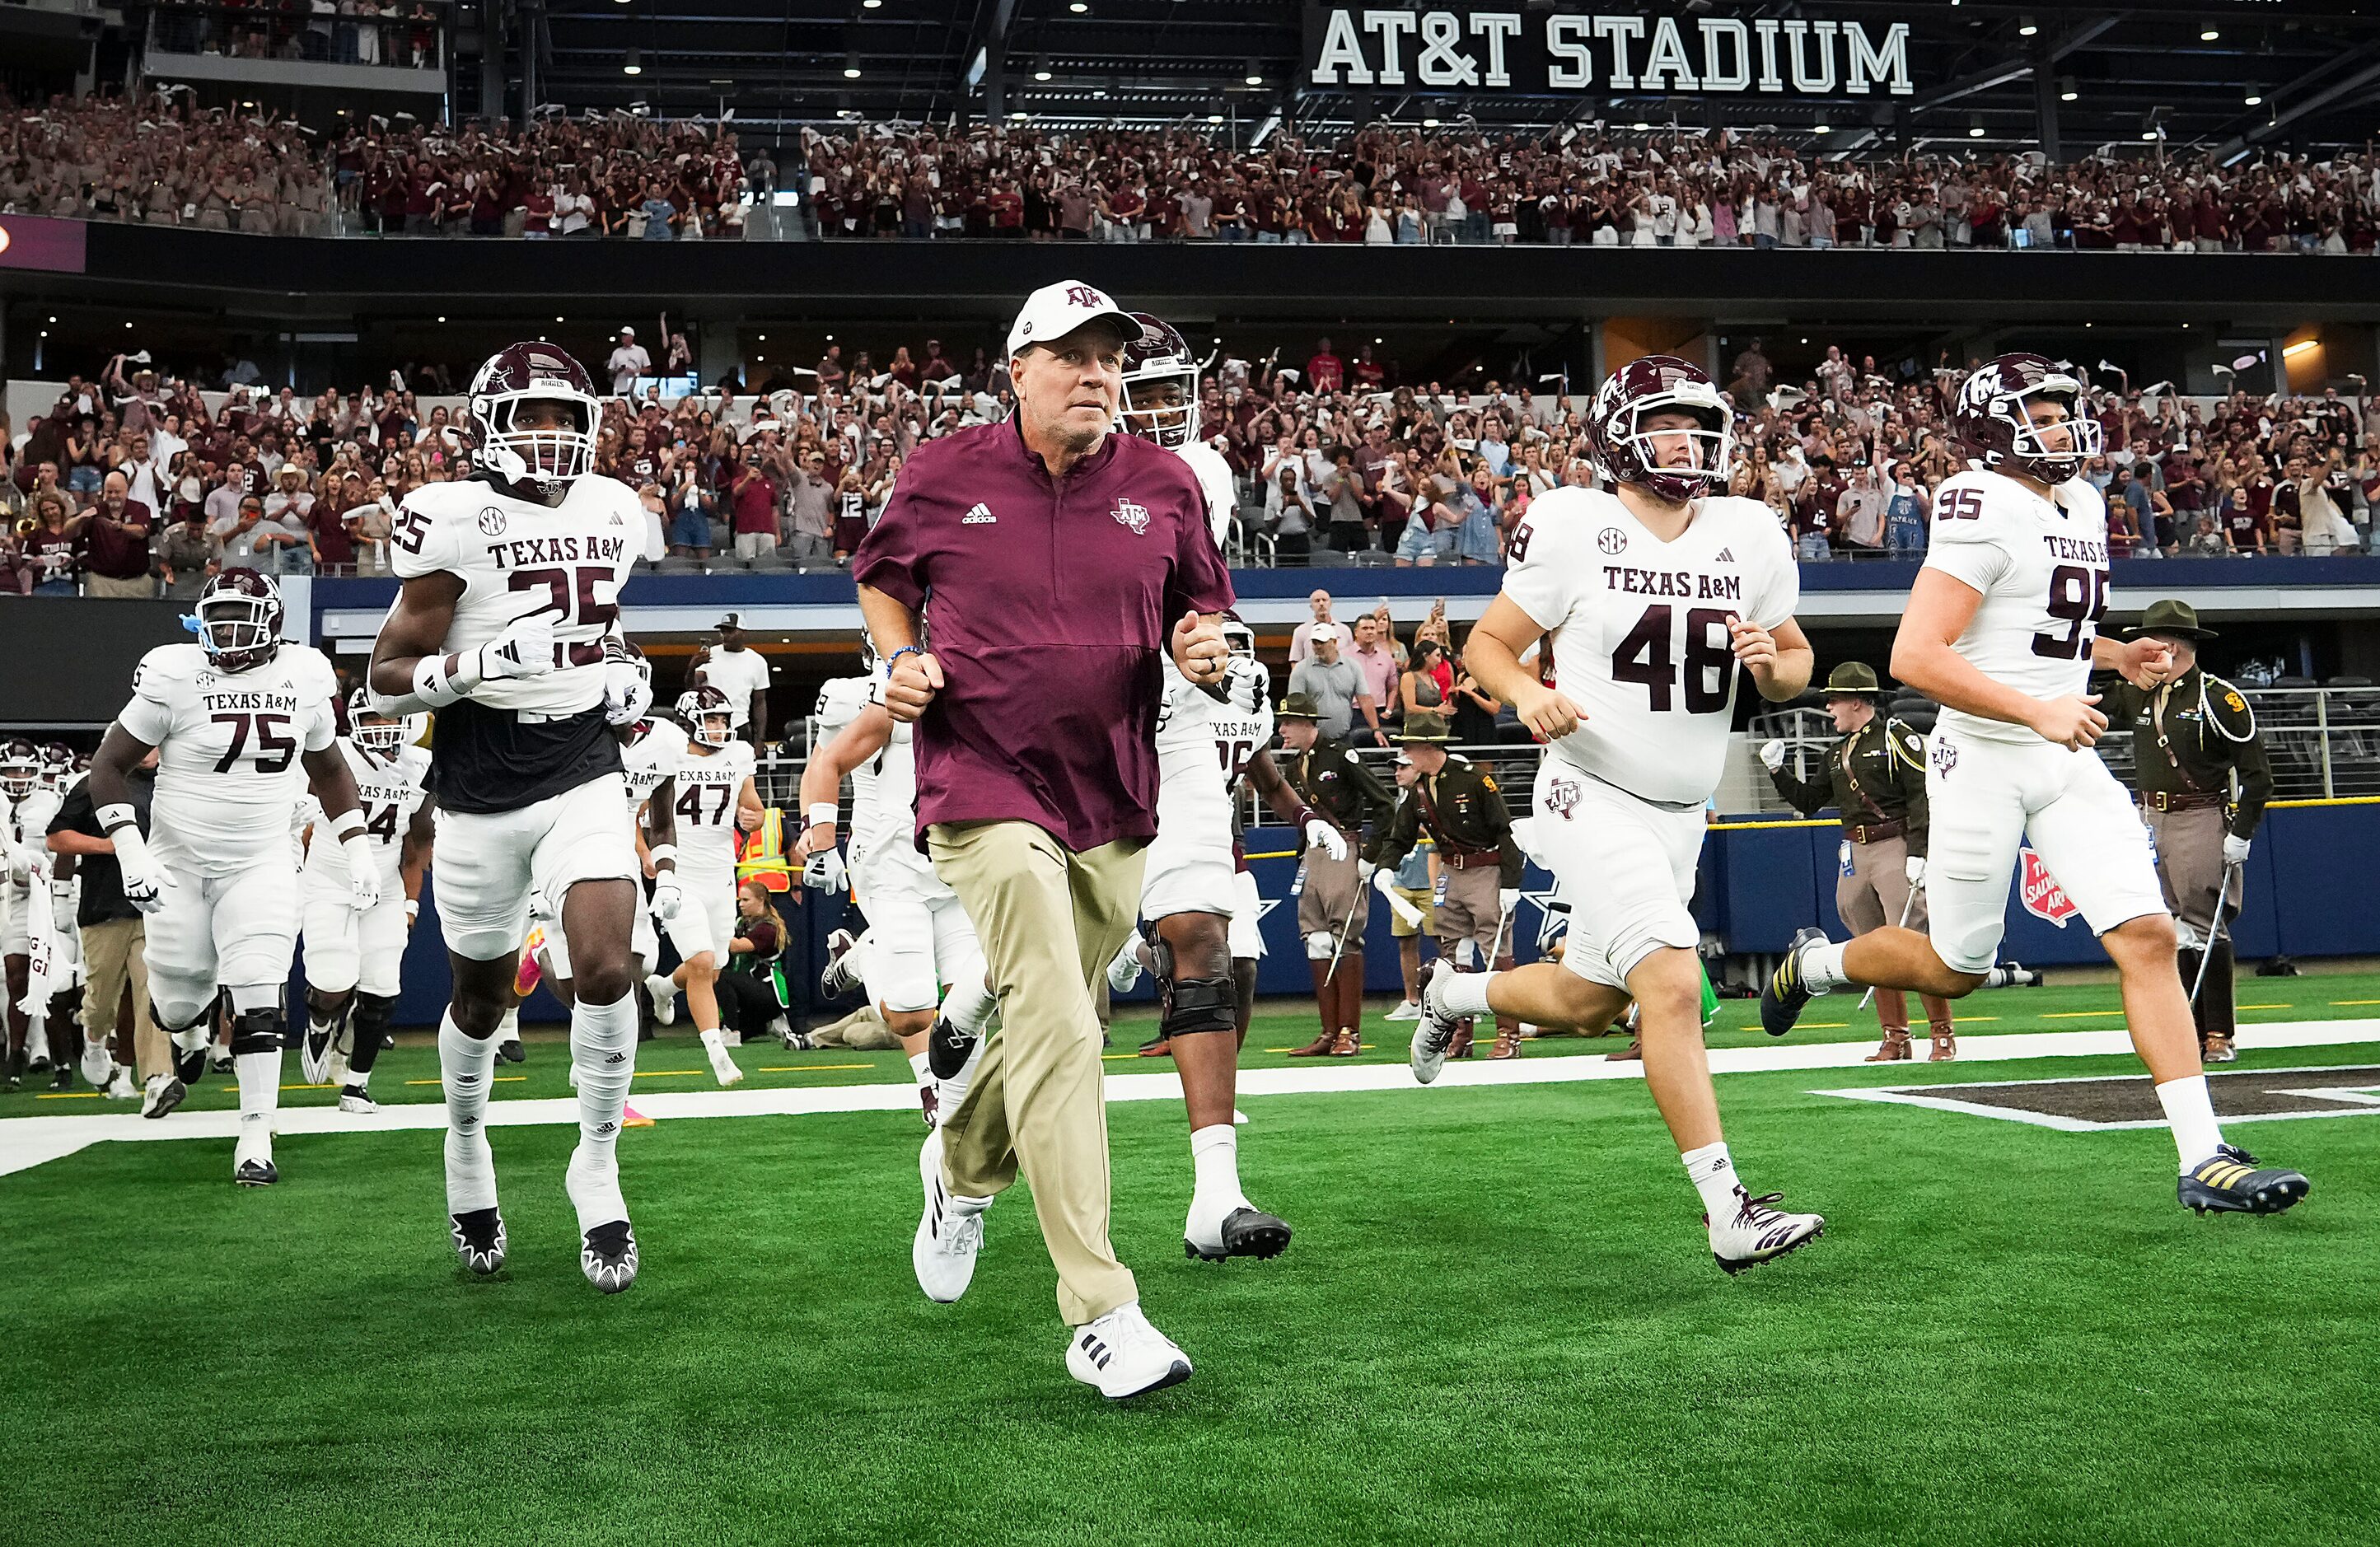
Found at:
(1655, 594)
(510, 581)
(2002, 628)
(27, 804)
(353, 959)
(710, 797)
(243, 724)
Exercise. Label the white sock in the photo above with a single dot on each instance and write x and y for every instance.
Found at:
(969, 1003)
(1133, 947)
(1466, 993)
(954, 1091)
(1215, 1163)
(259, 1087)
(2000, 978)
(714, 1039)
(509, 1030)
(1712, 1170)
(2190, 1114)
(1822, 967)
(603, 1047)
(462, 1065)
(918, 1069)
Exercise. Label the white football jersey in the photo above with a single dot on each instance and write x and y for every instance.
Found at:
(1640, 629)
(25, 825)
(2041, 567)
(516, 557)
(229, 773)
(1194, 731)
(883, 849)
(392, 790)
(1215, 482)
(708, 788)
(652, 757)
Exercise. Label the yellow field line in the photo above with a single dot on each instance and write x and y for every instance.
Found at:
(2355, 1002)
(71, 1095)
(807, 1068)
(2286, 1004)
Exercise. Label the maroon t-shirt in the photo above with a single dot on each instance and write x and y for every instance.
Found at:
(1050, 604)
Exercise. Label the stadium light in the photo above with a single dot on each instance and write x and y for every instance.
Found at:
(1256, 75)
(1822, 128)
(870, 4)
(2026, 27)
(1429, 123)
(633, 64)
(2255, 94)
(2207, 34)
(1078, 8)
(851, 67)
(2292, 351)
(2066, 89)
(1975, 127)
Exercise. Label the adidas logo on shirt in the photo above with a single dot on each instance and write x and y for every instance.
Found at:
(1726, 556)
(979, 516)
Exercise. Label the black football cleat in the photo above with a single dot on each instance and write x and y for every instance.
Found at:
(608, 1257)
(62, 1078)
(1247, 1232)
(2229, 1182)
(255, 1173)
(511, 1051)
(1788, 992)
(479, 1239)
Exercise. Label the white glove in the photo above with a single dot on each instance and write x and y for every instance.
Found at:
(1322, 835)
(1509, 900)
(144, 883)
(1365, 871)
(1385, 883)
(363, 873)
(626, 694)
(524, 649)
(668, 896)
(1772, 756)
(825, 872)
(1916, 865)
(2235, 849)
(1247, 683)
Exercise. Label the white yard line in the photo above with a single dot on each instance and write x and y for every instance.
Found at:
(29, 1141)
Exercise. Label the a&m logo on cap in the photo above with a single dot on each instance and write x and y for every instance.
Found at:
(1084, 296)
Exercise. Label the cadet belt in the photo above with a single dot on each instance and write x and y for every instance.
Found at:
(1471, 861)
(1874, 832)
(2160, 800)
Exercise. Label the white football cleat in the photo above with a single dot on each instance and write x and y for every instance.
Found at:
(664, 995)
(1124, 1355)
(162, 1095)
(722, 1063)
(950, 1233)
(98, 1063)
(1757, 1232)
(1123, 972)
(1436, 1032)
(1407, 1009)
(123, 1087)
(251, 1158)
(842, 973)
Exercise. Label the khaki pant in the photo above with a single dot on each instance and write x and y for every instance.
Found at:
(139, 585)
(1474, 911)
(1877, 888)
(1051, 921)
(1331, 889)
(2190, 865)
(114, 956)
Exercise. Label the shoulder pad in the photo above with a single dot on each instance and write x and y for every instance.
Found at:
(165, 664)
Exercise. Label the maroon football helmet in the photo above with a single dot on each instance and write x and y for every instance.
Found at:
(1992, 418)
(549, 458)
(239, 620)
(1155, 364)
(1661, 385)
(710, 718)
(20, 770)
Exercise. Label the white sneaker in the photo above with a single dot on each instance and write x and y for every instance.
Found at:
(664, 995)
(1408, 1009)
(1123, 972)
(123, 1087)
(98, 1063)
(722, 1064)
(1757, 1232)
(1124, 1355)
(1436, 1032)
(950, 1233)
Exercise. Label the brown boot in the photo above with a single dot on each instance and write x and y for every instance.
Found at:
(1347, 1044)
(1318, 1047)
(1508, 1042)
(1946, 1048)
(1895, 1049)
(1459, 1046)
(1632, 1054)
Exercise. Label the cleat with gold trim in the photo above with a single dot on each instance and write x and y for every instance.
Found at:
(2228, 1182)
(1788, 992)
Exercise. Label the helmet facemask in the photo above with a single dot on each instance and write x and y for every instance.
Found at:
(20, 771)
(239, 630)
(2028, 445)
(1162, 408)
(551, 457)
(1712, 436)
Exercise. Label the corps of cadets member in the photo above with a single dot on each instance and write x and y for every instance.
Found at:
(1333, 895)
(1875, 780)
(2191, 737)
(1457, 805)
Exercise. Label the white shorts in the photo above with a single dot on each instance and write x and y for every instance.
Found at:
(345, 949)
(1984, 798)
(1625, 865)
(1188, 865)
(230, 931)
(1247, 918)
(918, 945)
(15, 931)
(488, 862)
(705, 919)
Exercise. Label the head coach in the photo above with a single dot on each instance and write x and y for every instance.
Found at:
(1052, 559)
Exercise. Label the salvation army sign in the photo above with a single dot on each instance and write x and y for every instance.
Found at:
(1540, 52)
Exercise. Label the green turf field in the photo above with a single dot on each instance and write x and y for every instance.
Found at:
(675, 1061)
(1499, 1323)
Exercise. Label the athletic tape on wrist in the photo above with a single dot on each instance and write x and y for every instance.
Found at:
(347, 825)
(825, 813)
(661, 851)
(111, 817)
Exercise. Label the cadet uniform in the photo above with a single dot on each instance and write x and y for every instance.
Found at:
(1334, 905)
(2191, 738)
(1876, 779)
(1479, 862)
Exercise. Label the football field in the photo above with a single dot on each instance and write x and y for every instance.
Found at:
(1498, 1320)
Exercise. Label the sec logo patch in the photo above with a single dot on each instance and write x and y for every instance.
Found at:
(1612, 540)
(491, 522)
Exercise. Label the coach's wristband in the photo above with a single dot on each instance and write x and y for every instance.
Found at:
(894, 659)
(114, 817)
(413, 907)
(825, 813)
(347, 825)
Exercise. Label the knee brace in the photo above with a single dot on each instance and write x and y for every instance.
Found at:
(261, 1029)
(1193, 1005)
(1319, 946)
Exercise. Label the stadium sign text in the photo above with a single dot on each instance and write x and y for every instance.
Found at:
(1491, 49)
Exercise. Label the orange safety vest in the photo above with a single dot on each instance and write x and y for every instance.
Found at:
(760, 853)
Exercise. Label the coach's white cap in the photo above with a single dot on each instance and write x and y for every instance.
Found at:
(1055, 310)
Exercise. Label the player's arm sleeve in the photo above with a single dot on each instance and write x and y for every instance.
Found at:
(890, 558)
(1973, 549)
(149, 713)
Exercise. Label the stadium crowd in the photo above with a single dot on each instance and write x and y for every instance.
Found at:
(162, 161)
(134, 482)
